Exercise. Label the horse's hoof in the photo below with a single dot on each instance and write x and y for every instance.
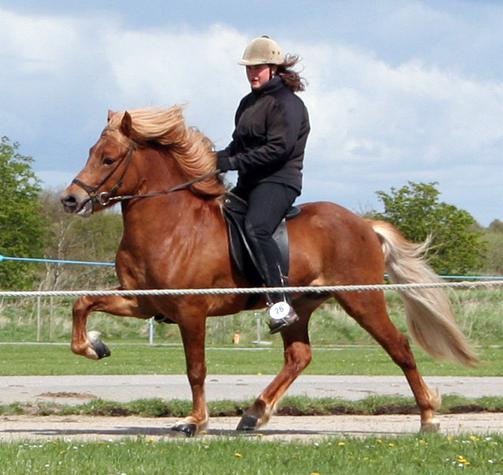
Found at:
(430, 427)
(98, 346)
(188, 430)
(247, 423)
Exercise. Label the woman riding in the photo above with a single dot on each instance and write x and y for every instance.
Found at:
(267, 150)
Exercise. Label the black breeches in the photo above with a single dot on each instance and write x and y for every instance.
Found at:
(267, 206)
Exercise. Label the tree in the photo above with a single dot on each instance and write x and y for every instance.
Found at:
(494, 254)
(495, 226)
(73, 238)
(457, 245)
(22, 226)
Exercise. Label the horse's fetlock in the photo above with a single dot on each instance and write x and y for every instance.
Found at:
(79, 349)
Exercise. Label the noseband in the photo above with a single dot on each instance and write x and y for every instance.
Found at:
(106, 197)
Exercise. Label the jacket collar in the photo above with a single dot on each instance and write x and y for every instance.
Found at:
(270, 86)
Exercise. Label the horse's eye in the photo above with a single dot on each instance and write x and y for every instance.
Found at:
(108, 161)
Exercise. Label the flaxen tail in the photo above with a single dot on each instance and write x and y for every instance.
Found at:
(429, 314)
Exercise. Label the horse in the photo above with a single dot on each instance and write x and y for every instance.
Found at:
(163, 173)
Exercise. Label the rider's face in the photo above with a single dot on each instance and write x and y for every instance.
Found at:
(258, 75)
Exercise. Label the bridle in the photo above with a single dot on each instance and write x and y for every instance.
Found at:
(106, 197)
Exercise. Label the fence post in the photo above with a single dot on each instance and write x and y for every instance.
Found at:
(151, 324)
(39, 318)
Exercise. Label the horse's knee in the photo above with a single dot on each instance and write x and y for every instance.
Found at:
(81, 305)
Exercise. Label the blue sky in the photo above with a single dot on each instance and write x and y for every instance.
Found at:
(398, 90)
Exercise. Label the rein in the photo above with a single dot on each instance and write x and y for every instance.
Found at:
(181, 186)
(106, 197)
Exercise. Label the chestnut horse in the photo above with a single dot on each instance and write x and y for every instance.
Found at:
(175, 236)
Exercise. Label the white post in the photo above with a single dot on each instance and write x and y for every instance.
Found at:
(151, 324)
(257, 319)
(39, 318)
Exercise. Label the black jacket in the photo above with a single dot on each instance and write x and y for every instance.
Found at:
(271, 129)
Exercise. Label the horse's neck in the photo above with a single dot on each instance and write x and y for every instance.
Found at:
(158, 173)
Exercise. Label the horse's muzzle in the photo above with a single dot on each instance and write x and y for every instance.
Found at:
(72, 204)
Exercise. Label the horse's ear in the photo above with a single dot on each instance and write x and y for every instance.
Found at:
(110, 115)
(126, 125)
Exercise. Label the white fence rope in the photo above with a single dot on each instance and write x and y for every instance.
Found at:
(250, 290)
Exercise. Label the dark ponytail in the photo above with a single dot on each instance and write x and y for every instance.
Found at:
(291, 78)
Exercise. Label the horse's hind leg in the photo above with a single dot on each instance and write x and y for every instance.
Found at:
(297, 355)
(89, 344)
(369, 310)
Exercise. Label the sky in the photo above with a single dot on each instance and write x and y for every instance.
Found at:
(398, 90)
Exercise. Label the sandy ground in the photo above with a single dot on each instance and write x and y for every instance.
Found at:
(79, 389)
(77, 428)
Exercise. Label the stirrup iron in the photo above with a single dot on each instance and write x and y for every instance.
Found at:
(281, 315)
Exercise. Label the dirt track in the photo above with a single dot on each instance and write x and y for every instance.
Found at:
(79, 389)
(280, 428)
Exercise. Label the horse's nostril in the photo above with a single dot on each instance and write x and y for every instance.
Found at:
(67, 199)
(69, 202)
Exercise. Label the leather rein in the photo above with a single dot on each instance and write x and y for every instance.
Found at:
(106, 197)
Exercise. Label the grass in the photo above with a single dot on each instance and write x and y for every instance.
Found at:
(290, 405)
(55, 359)
(478, 313)
(414, 455)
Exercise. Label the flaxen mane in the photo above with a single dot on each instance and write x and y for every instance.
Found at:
(192, 150)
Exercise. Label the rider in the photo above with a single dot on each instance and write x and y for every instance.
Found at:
(267, 150)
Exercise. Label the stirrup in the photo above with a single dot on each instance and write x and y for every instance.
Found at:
(281, 315)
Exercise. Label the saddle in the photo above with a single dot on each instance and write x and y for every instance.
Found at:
(242, 255)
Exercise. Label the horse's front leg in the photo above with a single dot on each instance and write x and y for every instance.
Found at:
(193, 333)
(297, 355)
(90, 344)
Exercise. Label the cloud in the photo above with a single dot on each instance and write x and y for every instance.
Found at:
(377, 125)
(32, 45)
(376, 122)
(382, 113)
(180, 65)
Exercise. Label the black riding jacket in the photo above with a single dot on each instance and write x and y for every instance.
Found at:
(271, 129)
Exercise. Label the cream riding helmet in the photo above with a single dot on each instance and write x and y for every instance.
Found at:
(262, 50)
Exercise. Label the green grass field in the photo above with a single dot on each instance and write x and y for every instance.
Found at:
(478, 313)
(340, 347)
(414, 455)
(57, 359)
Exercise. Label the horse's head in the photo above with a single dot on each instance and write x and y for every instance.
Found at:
(186, 155)
(105, 171)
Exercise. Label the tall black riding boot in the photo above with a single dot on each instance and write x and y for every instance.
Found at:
(281, 313)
